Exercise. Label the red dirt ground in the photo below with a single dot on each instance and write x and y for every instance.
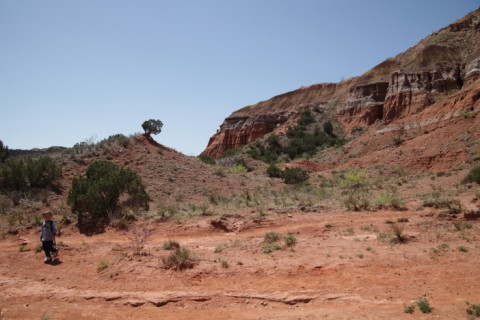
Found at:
(337, 272)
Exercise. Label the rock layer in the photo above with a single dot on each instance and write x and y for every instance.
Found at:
(238, 131)
(435, 68)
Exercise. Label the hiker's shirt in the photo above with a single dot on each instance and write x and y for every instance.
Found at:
(48, 231)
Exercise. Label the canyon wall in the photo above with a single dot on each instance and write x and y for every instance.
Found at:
(416, 79)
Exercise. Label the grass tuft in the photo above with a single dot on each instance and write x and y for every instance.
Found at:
(290, 240)
(180, 259)
(102, 265)
(424, 305)
(473, 310)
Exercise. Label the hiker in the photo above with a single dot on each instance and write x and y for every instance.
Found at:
(47, 236)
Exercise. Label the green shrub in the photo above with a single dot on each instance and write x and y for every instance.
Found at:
(13, 175)
(424, 306)
(118, 138)
(473, 310)
(273, 171)
(206, 159)
(328, 128)
(355, 179)
(272, 237)
(238, 168)
(4, 153)
(306, 118)
(409, 309)
(180, 259)
(268, 153)
(473, 175)
(95, 196)
(269, 247)
(290, 240)
(437, 199)
(294, 175)
(388, 200)
(22, 175)
(168, 212)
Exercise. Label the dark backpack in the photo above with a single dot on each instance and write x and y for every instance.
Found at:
(50, 222)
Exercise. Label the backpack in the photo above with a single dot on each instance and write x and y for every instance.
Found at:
(50, 222)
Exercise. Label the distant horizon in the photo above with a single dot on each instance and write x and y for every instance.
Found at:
(72, 72)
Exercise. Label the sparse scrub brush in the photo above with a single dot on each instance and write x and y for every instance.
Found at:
(473, 175)
(328, 128)
(290, 240)
(273, 171)
(102, 265)
(424, 306)
(473, 310)
(409, 309)
(388, 200)
(461, 225)
(294, 175)
(355, 180)
(398, 233)
(180, 259)
(238, 168)
(206, 159)
(356, 201)
(269, 247)
(138, 240)
(272, 237)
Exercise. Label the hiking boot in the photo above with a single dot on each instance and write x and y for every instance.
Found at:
(47, 260)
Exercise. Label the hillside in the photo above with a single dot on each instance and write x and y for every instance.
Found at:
(408, 88)
(170, 177)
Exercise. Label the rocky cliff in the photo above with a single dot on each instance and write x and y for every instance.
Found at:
(247, 124)
(435, 68)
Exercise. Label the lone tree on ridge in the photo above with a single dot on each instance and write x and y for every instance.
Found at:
(152, 126)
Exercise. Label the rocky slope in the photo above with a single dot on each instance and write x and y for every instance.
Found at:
(170, 177)
(437, 67)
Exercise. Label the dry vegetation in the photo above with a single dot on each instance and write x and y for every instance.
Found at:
(273, 247)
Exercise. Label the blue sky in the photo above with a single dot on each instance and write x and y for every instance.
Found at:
(73, 70)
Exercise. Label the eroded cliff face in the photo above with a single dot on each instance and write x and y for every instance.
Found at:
(435, 68)
(239, 131)
(247, 124)
(405, 94)
(409, 93)
(364, 104)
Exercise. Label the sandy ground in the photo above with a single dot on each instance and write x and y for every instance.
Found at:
(339, 269)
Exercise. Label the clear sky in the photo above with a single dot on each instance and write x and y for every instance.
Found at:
(73, 70)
